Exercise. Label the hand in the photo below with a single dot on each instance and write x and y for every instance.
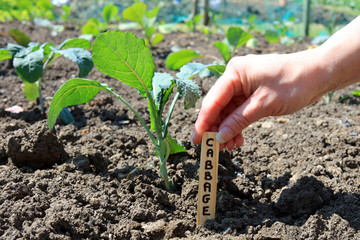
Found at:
(257, 86)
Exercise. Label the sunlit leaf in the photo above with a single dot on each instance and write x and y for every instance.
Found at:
(224, 50)
(157, 38)
(75, 91)
(75, 43)
(178, 59)
(109, 12)
(135, 12)
(31, 91)
(4, 54)
(124, 57)
(175, 146)
(20, 37)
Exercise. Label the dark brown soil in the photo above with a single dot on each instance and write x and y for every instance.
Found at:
(296, 177)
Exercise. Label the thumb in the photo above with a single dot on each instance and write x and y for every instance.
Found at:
(247, 113)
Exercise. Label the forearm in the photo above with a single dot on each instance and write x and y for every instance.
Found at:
(340, 56)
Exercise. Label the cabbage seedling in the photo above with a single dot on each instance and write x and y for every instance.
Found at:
(94, 26)
(31, 62)
(126, 58)
(146, 20)
(235, 38)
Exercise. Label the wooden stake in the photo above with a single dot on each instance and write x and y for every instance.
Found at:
(207, 178)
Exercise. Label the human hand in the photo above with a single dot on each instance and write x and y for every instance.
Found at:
(256, 86)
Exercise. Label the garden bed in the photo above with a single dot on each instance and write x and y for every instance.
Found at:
(296, 177)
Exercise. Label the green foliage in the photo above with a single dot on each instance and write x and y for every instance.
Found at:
(147, 21)
(235, 38)
(65, 15)
(126, 58)
(178, 59)
(32, 61)
(25, 10)
(193, 22)
(20, 37)
(109, 13)
(94, 26)
(280, 32)
(356, 93)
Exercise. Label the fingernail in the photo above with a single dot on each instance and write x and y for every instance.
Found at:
(192, 138)
(224, 135)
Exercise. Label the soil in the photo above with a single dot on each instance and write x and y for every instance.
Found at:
(296, 176)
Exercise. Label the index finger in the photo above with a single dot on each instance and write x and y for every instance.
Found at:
(217, 98)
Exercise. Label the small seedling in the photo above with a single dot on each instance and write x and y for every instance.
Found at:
(356, 93)
(94, 26)
(235, 38)
(281, 32)
(146, 20)
(31, 62)
(126, 58)
(65, 15)
(193, 22)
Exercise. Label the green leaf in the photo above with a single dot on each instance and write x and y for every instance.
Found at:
(272, 36)
(178, 59)
(109, 12)
(4, 54)
(92, 26)
(190, 69)
(135, 12)
(20, 37)
(31, 91)
(157, 38)
(48, 48)
(189, 91)
(163, 84)
(237, 37)
(75, 91)
(175, 146)
(80, 56)
(29, 67)
(153, 12)
(149, 31)
(356, 93)
(224, 50)
(252, 18)
(75, 43)
(126, 58)
(217, 69)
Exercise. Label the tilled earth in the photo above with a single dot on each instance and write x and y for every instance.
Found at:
(296, 177)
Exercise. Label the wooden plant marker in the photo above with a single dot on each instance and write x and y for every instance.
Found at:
(208, 173)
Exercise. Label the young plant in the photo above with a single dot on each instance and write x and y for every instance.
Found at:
(26, 10)
(281, 32)
(126, 58)
(235, 38)
(65, 15)
(94, 26)
(32, 61)
(193, 22)
(146, 20)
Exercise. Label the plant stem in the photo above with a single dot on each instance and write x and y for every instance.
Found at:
(41, 100)
(136, 114)
(44, 69)
(171, 109)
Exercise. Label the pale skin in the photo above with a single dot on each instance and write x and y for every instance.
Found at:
(257, 86)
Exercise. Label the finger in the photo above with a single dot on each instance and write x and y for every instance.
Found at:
(250, 111)
(217, 98)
